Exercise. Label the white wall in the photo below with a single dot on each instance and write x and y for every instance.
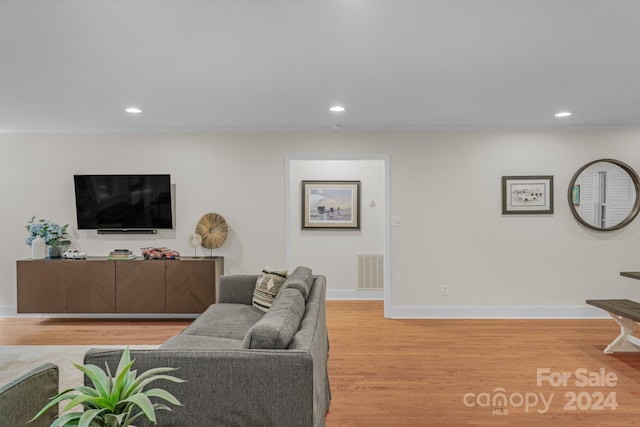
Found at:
(447, 188)
(444, 185)
(333, 252)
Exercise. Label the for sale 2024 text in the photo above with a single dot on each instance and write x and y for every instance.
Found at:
(583, 378)
(500, 401)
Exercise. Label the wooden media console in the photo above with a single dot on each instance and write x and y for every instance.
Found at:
(98, 285)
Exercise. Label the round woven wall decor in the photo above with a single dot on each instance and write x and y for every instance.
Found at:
(213, 229)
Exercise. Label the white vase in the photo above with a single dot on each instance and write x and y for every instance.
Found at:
(38, 248)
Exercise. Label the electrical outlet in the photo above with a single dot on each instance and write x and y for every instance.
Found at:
(444, 290)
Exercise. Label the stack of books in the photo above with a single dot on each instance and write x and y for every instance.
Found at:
(119, 254)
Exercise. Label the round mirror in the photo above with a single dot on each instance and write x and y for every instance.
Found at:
(603, 195)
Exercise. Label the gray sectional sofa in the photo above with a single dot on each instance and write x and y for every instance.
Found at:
(25, 396)
(244, 367)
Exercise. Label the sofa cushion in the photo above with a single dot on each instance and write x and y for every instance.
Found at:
(301, 279)
(268, 284)
(275, 329)
(199, 342)
(225, 321)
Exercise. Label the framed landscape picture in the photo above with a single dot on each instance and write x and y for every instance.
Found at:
(331, 205)
(527, 194)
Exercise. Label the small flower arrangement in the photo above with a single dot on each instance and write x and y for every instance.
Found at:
(52, 233)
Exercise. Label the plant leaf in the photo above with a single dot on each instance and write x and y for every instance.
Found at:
(112, 420)
(125, 360)
(157, 406)
(64, 395)
(130, 379)
(130, 419)
(143, 402)
(67, 420)
(88, 416)
(161, 407)
(162, 394)
(145, 379)
(121, 381)
(90, 401)
(87, 390)
(155, 371)
(97, 376)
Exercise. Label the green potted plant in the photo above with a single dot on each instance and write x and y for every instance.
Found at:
(114, 400)
(53, 234)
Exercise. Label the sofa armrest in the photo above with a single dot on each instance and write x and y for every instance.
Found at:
(229, 387)
(25, 396)
(236, 289)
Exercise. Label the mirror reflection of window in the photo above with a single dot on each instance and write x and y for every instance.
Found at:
(607, 195)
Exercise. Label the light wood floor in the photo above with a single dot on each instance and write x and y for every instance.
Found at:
(417, 372)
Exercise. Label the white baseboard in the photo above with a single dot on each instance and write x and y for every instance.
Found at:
(354, 295)
(433, 312)
(8, 311)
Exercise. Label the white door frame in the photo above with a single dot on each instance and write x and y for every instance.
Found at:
(387, 210)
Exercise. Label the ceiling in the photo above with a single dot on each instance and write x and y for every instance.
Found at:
(234, 65)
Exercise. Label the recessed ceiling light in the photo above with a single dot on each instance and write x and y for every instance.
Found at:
(336, 109)
(563, 114)
(133, 110)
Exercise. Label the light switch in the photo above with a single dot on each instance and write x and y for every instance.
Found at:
(396, 221)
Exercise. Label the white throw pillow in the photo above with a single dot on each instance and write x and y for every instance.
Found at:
(267, 287)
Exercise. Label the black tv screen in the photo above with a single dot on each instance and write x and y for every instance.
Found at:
(123, 202)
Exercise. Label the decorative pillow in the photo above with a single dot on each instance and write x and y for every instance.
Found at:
(267, 286)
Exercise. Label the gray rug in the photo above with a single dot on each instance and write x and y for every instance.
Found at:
(16, 360)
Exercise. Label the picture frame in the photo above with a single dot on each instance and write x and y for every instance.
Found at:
(575, 195)
(527, 195)
(331, 205)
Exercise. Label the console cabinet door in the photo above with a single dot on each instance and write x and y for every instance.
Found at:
(140, 286)
(191, 285)
(65, 286)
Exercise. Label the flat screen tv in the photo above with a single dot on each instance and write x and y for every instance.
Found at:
(122, 203)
